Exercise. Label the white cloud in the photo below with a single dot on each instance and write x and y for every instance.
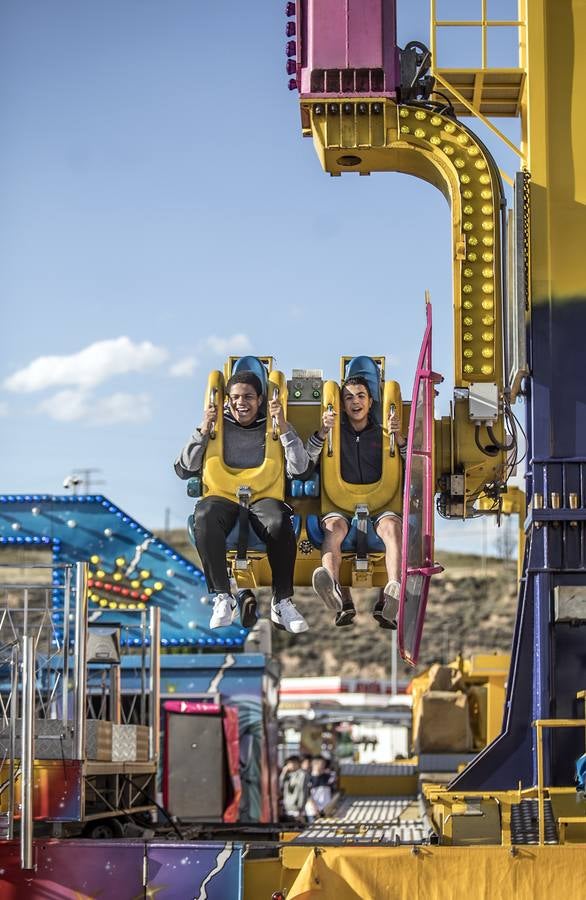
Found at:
(228, 346)
(131, 408)
(183, 367)
(89, 367)
(66, 406)
(73, 406)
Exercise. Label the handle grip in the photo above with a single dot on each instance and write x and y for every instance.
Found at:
(330, 434)
(213, 399)
(275, 421)
(392, 436)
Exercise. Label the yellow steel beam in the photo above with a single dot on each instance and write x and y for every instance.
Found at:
(476, 112)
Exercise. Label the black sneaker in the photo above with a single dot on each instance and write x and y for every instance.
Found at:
(327, 589)
(247, 605)
(348, 612)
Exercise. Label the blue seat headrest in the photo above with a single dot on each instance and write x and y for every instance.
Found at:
(365, 367)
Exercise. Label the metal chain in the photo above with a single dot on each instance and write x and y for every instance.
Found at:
(526, 235)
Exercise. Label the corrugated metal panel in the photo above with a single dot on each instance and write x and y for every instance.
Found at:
(369, 820)
(371, 769)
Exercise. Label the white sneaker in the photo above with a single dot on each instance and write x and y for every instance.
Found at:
(225, 611)
(327, 589)
(284, 615)
(387, 606)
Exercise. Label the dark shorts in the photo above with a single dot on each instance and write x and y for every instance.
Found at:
(385, 514)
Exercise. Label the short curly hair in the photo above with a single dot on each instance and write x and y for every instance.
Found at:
(245, 377)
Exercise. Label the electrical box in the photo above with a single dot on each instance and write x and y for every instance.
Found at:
(483, 402)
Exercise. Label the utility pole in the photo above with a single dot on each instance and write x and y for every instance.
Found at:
(87, 479)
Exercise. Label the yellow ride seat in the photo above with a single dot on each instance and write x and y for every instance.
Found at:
(385, 494)
(266, 480)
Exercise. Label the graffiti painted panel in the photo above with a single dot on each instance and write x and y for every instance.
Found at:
(198, 871)
(74, 870)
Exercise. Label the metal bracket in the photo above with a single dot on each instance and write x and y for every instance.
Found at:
(243, 494)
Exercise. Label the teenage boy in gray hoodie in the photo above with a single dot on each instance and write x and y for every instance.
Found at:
(214, 517)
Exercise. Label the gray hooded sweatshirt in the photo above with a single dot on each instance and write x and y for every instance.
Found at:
(244, 448)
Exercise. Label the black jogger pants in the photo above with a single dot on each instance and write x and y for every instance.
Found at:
(215, 517)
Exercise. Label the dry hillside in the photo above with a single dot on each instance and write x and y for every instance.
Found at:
(468, 611)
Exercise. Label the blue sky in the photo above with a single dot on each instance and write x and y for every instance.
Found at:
(159, 210)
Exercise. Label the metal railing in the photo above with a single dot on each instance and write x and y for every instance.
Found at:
(27, 752)
(44, 632)
(484, 23)
(36, 635)
(543, 792)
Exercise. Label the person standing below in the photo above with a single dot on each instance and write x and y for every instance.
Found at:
(294, 785)
(361, 463)
(320, 789)
(214, 517)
